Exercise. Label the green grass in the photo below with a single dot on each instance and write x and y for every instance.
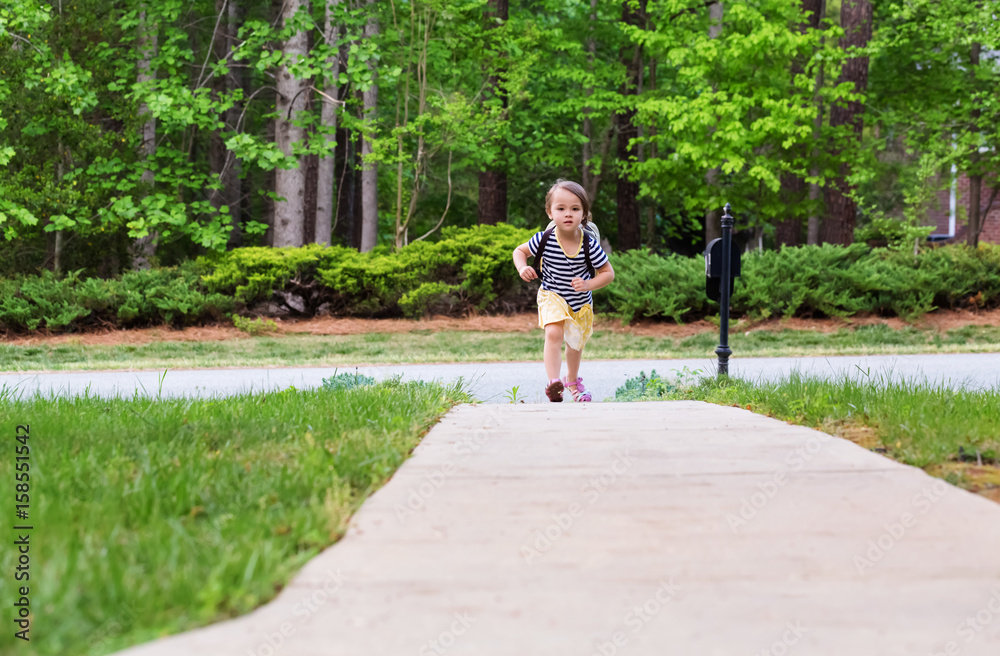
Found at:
(929, 426)
(156, 516)
(421, 346)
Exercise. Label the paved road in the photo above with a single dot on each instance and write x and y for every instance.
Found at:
(492, 382)
(641, 529)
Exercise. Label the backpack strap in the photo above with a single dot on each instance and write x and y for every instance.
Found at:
(541, 249)
(586, 253)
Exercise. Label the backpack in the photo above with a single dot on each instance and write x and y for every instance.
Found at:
(589, 230)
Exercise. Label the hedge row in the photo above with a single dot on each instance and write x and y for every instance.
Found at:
(470, 269)
(466, 269)
(160, 296)
(825, 280)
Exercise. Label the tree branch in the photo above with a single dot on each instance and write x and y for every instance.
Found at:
(211, 44)
(447, 205)
(985, 212)
(328, 97)
(18, 36)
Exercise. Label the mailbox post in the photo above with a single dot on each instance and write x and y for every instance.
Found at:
(722, 266)
(725, 288)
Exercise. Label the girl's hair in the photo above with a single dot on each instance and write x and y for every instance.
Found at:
(574, 188)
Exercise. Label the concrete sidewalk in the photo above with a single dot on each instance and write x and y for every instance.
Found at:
(639, 529)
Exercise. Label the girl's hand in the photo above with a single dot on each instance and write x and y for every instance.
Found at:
(579, 284)
(527, 273)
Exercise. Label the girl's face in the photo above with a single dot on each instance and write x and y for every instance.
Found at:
(566, 210)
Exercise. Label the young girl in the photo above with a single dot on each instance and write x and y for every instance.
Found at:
(565, 302)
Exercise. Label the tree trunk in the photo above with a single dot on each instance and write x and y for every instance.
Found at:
(713, 216)
(975, 176)
(270, 184)
(974, 227)
(369, 170)
(290, 184)
(345, 209)
(216, 143)
(235, 80)
(793, 188)
(57, 249)
(325, 178)
(357, 222)
(493, 181)
(651, 241)
(311, 164)
(841, 210)
(144, 248)
(346, 171)
(588, 129)
(815, 192)
(627, 192)
(57, 252)
(222, 162)
(789, 231)
(814, 11)
(310, 161)
(492, 197)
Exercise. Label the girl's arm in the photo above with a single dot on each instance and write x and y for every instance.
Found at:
(521, 254)
(603, 278)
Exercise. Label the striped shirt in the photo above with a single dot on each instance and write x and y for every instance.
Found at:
(558, 268)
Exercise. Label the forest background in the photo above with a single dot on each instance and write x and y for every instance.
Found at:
(140, 133)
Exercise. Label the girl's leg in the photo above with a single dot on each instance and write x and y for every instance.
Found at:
(573, 358)
(552, 355)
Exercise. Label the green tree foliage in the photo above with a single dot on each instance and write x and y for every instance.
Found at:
(730, 102)
(533, 97)
(925, 86)
(87, 118)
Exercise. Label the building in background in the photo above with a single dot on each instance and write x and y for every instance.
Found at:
(944, 214)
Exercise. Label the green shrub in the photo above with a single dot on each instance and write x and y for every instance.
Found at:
(347, 381)
(650, 286)
(258, 326)
(170, 295)
(959, 274)
(835, 280)
(43, 301)
(15, 310)
(807, 279)
(826, 280)
(471, 270)
(466, 269)
(427, 296)
(52, 300)
(255, 273)
(656, 388)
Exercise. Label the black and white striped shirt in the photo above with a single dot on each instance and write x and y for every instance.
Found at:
(558, 268)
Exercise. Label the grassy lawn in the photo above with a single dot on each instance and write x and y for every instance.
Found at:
(156, 516)
(421, 346)
(952, 434)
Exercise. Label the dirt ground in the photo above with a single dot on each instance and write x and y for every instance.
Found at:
(941, 321)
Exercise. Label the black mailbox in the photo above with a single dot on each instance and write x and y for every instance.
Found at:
(713, 268)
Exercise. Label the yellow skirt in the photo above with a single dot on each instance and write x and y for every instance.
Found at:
(577, 326)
